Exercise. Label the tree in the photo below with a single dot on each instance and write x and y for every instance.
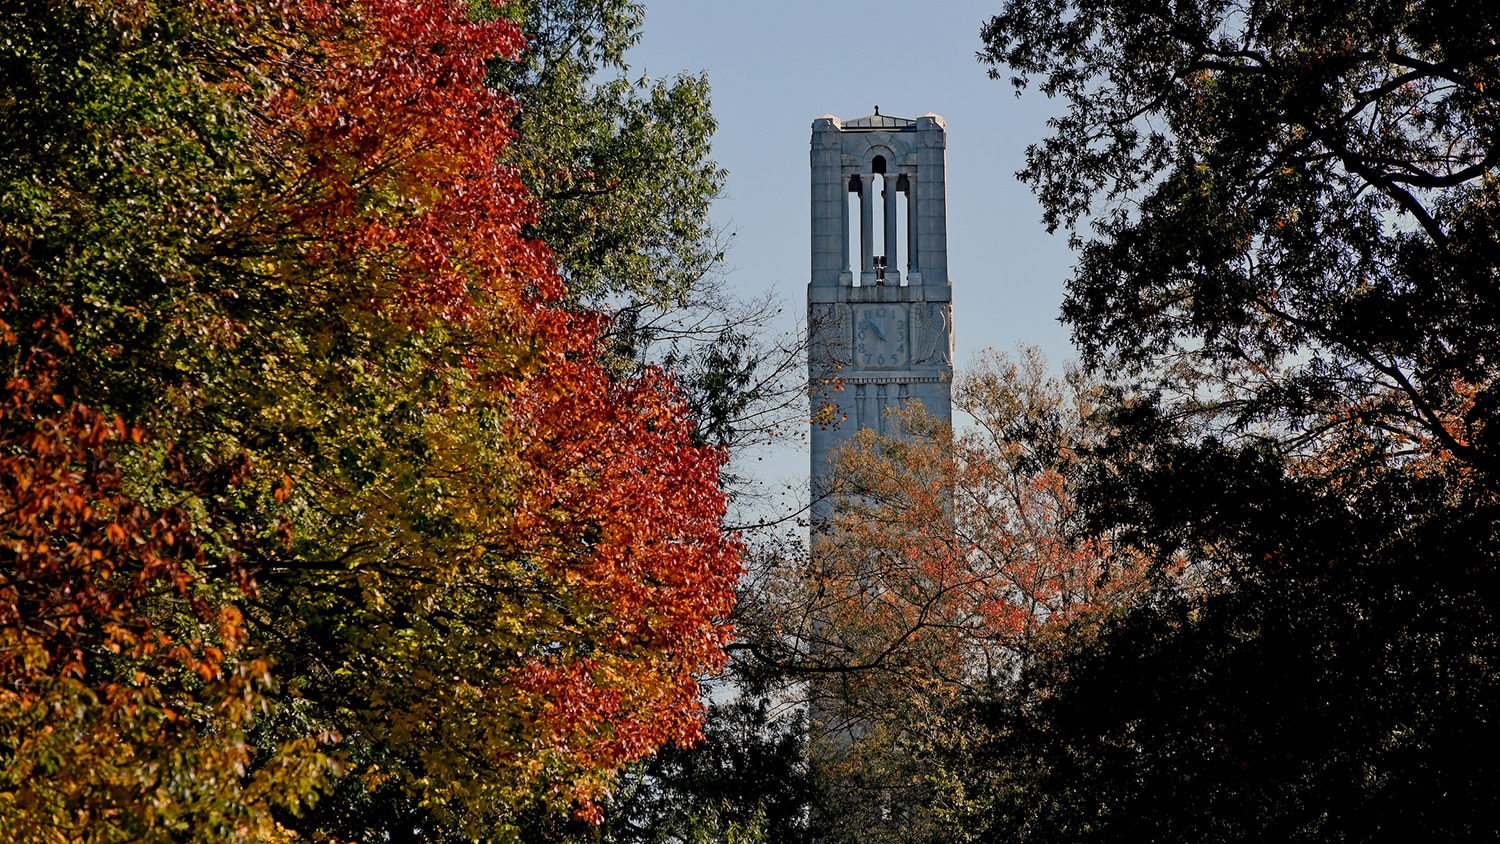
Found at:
(1333, 681)
(1295, 205)
(130, 681)
(483, 572)
(129, 688)
(620, 165)
(1294, 255)
(747, 781)
(950, 562)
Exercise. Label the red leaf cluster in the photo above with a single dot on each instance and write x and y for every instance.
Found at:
(402, 142)
(78, 555)
(367, 188)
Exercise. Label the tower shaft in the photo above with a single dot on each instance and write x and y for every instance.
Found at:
(881, 333)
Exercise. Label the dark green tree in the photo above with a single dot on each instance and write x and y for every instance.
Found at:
(1294, 206)
(620, 164)
(1286, 216)
(1325, 671)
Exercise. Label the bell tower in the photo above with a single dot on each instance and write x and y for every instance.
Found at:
(879, 305)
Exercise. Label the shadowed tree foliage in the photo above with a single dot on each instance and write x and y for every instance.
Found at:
(1329, 676)
(746, 782)
(1294, 206)
(1293, 256)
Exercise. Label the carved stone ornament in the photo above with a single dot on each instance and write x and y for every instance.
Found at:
(819, 317)
(931, 324)
(828, 327)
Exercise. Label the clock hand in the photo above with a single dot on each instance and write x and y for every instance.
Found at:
(878, 332)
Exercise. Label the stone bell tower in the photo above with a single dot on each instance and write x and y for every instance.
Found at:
(879, 305)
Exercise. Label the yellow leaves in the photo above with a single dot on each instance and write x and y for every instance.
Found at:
(374, 777)
(595, 524)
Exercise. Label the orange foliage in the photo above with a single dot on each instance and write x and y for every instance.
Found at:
(953, 558)
(81, 555)
(367, 200)
(402, 144)
(620, 508)
(949, 562)
(107, 633)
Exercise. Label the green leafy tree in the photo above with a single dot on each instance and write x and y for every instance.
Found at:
(418, 534)
(620, 165)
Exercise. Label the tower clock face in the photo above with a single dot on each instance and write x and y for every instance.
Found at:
(880, 337)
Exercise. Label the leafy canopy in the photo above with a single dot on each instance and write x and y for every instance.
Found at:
(452, 561)
(1293, 205)
(1293, 248)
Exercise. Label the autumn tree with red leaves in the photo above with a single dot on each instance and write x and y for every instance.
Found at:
(330, 483)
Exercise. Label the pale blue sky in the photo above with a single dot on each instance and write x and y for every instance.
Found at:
(776, 66)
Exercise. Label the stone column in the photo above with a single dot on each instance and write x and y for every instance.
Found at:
(913, 268)
(827, 195)
(888, 191)
(866, 229)
(932, 203)
(845, 275)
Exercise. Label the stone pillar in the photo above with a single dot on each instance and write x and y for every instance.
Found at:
(846, 276)
(932, 202)
(913, 267)
(866, 229)
(888, 192)
(827, 196)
